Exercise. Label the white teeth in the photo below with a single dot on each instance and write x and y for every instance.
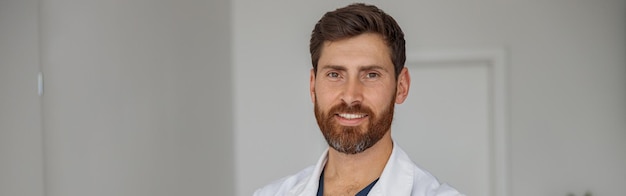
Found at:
(352, 116)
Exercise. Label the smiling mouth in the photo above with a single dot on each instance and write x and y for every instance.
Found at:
(352, 116)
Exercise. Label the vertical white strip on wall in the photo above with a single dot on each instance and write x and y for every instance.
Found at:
(40, 84)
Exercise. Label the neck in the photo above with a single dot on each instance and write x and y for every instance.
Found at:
(365, 166)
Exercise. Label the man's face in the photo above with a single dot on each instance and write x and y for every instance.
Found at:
(354, 92)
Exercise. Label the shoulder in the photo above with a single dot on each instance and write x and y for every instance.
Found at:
(426, 184)
(287, 184)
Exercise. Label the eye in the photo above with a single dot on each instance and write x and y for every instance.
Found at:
(333, 75)
(372, 75)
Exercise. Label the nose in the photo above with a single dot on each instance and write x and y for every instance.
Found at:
(353, 92)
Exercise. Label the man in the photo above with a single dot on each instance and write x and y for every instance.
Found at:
(358, 75)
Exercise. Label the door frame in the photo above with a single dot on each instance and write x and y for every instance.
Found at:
(496, 61)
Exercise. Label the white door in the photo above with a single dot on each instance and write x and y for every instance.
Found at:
(448, 126)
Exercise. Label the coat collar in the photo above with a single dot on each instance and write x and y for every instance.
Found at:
(398, 173)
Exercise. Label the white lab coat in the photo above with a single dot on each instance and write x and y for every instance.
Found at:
(400, 177)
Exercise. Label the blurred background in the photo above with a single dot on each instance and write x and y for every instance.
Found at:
(193, 97)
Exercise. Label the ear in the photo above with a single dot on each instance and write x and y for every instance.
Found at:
(312, 86)
(402, 88)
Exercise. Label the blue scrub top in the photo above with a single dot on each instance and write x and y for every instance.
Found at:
(364, 192)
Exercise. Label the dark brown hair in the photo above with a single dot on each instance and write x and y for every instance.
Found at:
(354, 20)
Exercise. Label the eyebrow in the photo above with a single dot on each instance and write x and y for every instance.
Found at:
(334, 67)
(372, 67)
(361, 68)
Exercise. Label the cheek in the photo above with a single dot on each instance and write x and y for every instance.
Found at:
(381, 99)
(324, 98)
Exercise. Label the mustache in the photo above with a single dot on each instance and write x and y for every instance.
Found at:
(354, 108)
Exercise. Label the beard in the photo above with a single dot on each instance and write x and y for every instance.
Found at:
(354, 139)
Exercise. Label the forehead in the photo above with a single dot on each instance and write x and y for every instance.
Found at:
(362, 50)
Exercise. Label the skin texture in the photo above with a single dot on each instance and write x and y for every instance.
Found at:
(356, 71)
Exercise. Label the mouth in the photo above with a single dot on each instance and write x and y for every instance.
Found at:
(351, 119)
(351, 116)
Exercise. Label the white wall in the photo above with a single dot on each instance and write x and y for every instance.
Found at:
(567, 85)
(137, 98)
(275, 129)
(141, 97)
(21, 152)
